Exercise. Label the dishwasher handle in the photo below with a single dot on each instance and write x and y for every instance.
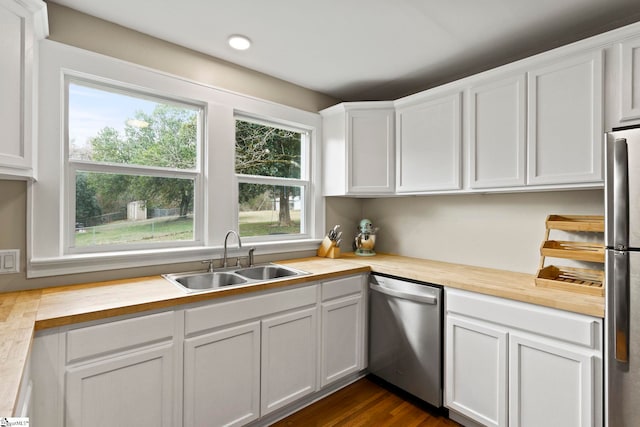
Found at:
(425, 299)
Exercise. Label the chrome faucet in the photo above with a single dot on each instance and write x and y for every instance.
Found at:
(224, 261)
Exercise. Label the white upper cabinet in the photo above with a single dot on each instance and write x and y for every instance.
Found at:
(428, 144)
(358, 149)
(22, 23)
(565, 120)
(497, 133)
(630, 80)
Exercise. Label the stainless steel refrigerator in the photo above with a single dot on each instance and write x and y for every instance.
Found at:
(622, 237)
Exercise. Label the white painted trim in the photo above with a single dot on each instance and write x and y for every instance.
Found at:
(85, 263)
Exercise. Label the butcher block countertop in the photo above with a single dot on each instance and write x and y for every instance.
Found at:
(23, 313)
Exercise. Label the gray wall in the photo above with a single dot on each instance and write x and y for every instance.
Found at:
(502, 231)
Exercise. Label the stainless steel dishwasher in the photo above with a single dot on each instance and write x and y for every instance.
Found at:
(405, 335)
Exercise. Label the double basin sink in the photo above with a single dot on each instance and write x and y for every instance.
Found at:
(223, 279)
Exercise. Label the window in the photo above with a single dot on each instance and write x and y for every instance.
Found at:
(271, 164)
(133, 168)
(136, 168)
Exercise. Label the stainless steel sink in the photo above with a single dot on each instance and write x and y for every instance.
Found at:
(205, 281)
(223, 279)
(267, 272)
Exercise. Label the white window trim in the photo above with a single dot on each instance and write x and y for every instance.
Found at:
(304, 181)
(46, 206)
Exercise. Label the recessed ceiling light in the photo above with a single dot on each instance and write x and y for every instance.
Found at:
(239, 42)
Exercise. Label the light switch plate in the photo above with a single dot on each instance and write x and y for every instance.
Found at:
(9, 261)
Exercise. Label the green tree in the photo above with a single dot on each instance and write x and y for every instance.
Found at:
(268, 151)
(87, 205)
(165, 138)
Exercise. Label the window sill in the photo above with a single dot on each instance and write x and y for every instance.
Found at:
(88, 263)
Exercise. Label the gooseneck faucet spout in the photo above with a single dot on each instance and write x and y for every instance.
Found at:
(224, 262)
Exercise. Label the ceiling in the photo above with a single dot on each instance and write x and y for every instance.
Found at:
(367, 49)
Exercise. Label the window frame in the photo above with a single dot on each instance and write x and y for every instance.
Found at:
(304, 181)
(47, 206)
(72, 166)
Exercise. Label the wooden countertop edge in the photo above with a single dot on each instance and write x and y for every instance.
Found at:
(17, 339)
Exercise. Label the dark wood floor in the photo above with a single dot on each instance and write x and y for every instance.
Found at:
(367, 403)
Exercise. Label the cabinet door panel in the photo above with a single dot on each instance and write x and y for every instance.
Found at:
(630, 81)
(136, 389)
(222, 377)
(565, 121)
(429, 141)
(497, 133)
(476, 370)
(371, 151)
(342, 342)
(11, 83)
(550, 385)
(289, 354)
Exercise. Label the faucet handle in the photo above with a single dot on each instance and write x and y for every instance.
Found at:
(210, 266)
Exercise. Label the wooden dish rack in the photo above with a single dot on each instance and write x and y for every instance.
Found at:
(587, 281)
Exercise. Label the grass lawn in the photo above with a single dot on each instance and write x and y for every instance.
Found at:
(257, 223)
(151, 230)
(261, 223)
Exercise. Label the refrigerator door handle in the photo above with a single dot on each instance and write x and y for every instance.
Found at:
(620, 194)
(621, 305)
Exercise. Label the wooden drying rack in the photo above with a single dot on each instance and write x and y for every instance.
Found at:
(587, 281)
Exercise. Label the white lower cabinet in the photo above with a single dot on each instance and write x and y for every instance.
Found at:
(248, 356)
(289, 353)
(222, 376)
(476, 370)
(551, 384)
(93, 374)
(134, 388)
(509, 363)
(225, 362)
(343, 328)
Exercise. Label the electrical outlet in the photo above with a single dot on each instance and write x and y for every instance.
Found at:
(9, 261)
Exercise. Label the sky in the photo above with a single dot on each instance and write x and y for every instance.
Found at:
(92, 109)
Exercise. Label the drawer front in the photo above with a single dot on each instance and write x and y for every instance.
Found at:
(562, 325)
(342, 287)
(119, 335)
(229, 312)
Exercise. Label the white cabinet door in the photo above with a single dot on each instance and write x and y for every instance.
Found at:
(130, 389)
(371, 149)
(429, 145)
(497, 133)
(289, 358)
(550, 384)
(222, 377)
(18, 35)
(476, 370)
(565, 121)
(630, 80)
(342, 341)
(358, 148)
